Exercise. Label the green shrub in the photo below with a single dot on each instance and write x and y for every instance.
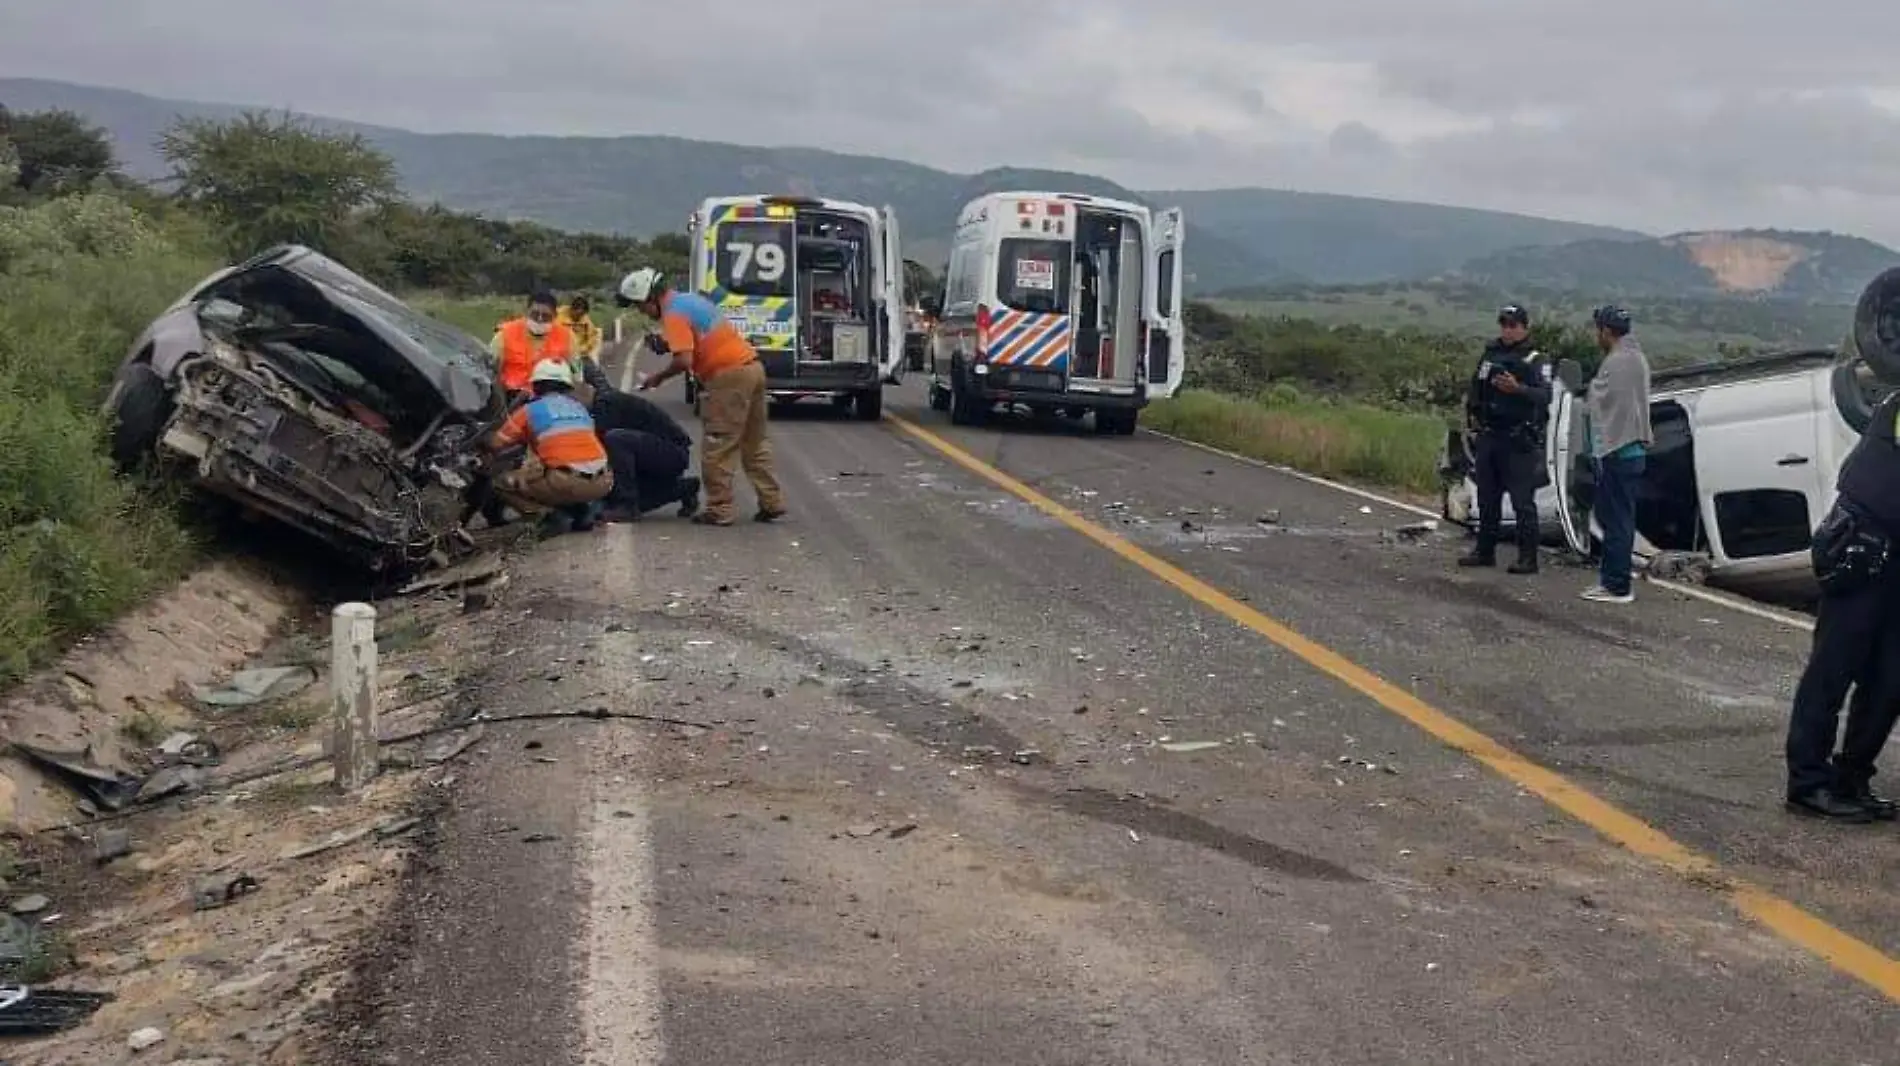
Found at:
(80, 277)
(1349, 441)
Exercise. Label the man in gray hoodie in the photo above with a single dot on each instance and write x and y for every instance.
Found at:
(1618, 407)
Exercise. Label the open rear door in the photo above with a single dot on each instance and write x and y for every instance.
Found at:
(1167, 334)
(896, 321)
(1567, 456)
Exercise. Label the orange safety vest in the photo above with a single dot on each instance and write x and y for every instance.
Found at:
(518, 353)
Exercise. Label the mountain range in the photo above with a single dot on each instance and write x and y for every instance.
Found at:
(1237, 238)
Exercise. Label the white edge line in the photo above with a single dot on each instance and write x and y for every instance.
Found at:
(1693, 592)
(621, 997)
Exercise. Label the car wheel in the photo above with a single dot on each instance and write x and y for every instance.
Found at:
(939, 397)
(870, 405)
(140, 407)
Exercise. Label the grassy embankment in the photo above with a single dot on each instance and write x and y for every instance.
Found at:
(1344, 441)
(80, 277)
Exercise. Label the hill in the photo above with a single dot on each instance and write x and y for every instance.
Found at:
(644, 186)
(1343, 240)
(1674, 329)
(1821, 267)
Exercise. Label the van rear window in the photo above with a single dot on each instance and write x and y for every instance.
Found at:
(1033, 275)
(754, 257)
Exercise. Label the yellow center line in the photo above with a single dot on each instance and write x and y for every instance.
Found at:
(1843, 951)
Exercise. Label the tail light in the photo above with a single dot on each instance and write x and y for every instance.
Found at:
(982, 331)
(1107, 369)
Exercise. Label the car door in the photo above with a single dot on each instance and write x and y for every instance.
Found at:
(1760, 465)
(896, 326)
(1167, 333)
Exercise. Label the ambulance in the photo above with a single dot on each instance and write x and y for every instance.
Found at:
(1060, 302)
(816, 285)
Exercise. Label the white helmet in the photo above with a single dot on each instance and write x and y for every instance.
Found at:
(552, 370)
(638, 286)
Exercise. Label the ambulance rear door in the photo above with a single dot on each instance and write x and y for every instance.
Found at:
(890, 273)
(750, 260)
(1167, 333)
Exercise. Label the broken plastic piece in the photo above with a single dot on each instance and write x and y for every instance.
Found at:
(218, 892)
(109, 789)
(249, 687)
(36, 1011)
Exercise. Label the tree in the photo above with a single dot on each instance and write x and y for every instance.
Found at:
(268, 181)
(56, 151)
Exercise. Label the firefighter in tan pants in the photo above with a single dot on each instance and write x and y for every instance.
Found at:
(732, 391)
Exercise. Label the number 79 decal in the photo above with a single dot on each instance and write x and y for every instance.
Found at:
(764, 262)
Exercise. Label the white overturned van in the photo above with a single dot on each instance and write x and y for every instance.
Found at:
(1060, 302)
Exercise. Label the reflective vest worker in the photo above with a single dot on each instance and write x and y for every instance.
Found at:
(587, 336)
(732, 391)
(566, 469)
(521, 343)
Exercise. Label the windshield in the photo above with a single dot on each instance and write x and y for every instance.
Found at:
(1033, 275)
(753, 257)
(447, 345)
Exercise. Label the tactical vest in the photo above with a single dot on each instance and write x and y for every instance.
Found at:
(1869, 482)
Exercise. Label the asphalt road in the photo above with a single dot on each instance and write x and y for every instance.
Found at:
(973, 787)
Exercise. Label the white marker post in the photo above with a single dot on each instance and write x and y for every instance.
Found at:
(353, 695)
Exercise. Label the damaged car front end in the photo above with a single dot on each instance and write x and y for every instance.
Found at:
(302, 392)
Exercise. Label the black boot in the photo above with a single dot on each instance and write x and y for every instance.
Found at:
(1882, 808)
(689, 496)
(1826, 803)
(1526, 564)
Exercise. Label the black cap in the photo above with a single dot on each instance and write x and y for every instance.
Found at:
(1513, 315)
(1612, 318)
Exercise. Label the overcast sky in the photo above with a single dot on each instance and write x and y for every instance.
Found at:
(1658, 114)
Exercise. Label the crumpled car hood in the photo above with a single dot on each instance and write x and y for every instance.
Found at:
(452, 363)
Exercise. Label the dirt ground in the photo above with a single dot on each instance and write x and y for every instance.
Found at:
(223, 920)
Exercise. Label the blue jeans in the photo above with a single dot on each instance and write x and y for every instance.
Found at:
(1616, 513)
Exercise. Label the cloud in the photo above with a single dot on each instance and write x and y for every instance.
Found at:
(1664, 116)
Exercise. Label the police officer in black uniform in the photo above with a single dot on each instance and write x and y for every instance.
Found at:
(1856, 636)
(1508, 410)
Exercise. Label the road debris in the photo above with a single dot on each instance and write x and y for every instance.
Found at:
(344, 837)
(109, 844)
(447, 747)
(108, 789)
(214, 892)
(142, 1039)
(250, 687)
(32, 904)
(37, 1011)
(472, 572)
(1688, 568)
(1191, 745)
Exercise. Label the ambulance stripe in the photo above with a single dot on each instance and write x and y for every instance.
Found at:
(1000, 346)
(1019, 347)
(1052, 348)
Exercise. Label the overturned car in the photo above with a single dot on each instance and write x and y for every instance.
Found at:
(297, 389)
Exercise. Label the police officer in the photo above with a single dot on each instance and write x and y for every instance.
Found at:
(1856, 636)
(1507, 409)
